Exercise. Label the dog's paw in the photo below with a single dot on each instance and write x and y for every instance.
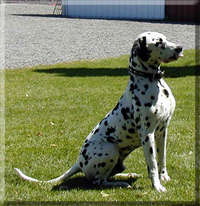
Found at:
(159, 188)
(165, 177)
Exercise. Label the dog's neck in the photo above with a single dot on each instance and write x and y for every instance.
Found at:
(142, 68)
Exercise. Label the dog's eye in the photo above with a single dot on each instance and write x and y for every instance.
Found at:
(163, 46)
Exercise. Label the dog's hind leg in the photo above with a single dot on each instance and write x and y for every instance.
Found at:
(127, 175)
(73, 170)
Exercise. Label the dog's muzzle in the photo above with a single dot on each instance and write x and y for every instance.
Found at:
(178, 52)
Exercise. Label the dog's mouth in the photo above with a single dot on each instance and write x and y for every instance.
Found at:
(177, 54)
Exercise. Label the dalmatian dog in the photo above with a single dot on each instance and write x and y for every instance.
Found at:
(140, 118)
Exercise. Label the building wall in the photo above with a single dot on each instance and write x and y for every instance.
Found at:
(181, 10)
(114, 9)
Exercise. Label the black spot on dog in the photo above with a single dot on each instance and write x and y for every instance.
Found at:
(143, 93)
(148, 169)
(134, 63)
(132, 124)
(163, 46)
(142, 50)
(166, 93)
(136, 86)
(132, 78)
(164, 134)
(156, 62)
(101, 121)
(125, 148)
(111, 160)
(125, 112)
(146, 86)
(81, 164)
(128, 137)
(102, 164)
(161, 129)
(96, 131)
(131, 130)
(148, 104)
(86, 162)
(116, 107)
(119, 141)
(137, 101)
(138, 127)
(110, 130)
(152, 97)
(111, 139)
(124, 127)
(151, 150)
(159, 42)
(106, 123)
(132, 87)
(137, 119)
(100, 154)
(146, 118)
(86, 145)
(86, 157)
(148, 124)
(146, 139)
(156, 111)
(84, 152)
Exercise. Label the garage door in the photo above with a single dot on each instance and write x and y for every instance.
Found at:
(114, 9)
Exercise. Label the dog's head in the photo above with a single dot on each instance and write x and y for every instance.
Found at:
(153, 48)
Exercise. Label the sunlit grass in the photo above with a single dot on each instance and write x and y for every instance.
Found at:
(51, 109)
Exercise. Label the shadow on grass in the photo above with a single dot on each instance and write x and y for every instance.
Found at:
(172, 72)
(82, 183)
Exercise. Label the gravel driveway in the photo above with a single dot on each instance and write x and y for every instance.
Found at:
(34, 37)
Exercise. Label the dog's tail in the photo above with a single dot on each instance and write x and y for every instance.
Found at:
(73, 170)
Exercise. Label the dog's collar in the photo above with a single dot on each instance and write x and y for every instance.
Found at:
(153, 76)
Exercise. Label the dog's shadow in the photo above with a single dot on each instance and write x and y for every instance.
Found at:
(81, 183)
(172, 72)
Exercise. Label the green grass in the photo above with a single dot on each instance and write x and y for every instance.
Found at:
(51, 109)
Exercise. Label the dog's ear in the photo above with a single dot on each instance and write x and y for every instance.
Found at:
(134, 52)
(140, 49)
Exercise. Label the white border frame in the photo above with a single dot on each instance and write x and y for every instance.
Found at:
(2, 100)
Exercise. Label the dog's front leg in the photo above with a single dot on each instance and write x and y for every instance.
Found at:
(161, 141)
(148, 143)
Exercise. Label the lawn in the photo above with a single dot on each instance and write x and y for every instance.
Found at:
(51, 109)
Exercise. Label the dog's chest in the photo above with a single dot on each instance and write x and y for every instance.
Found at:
(144, 105)
(152, 100)
(164, 101)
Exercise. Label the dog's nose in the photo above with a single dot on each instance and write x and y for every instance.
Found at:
(179, 49)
